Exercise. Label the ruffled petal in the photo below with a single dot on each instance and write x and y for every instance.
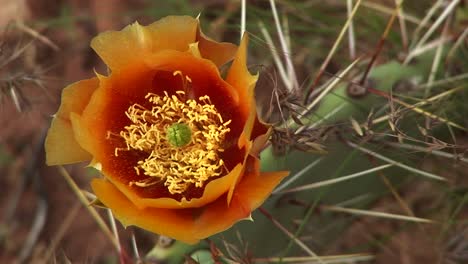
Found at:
(218, 52)
(125, 48)
(241, 79)
(244, 83)
(212, 191)
(83, 136)
(177, 224)
(192, 66)
(260, 141)
(254, 138)
(251, 192)
(191, 225)
(60, 145)
(89, 126)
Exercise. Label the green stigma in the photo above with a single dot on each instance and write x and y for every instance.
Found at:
(179, 134)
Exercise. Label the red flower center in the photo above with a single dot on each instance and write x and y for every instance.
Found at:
(139, 127)
(182, 138)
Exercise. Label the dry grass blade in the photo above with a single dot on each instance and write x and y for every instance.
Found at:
(287, 36)
(356, 127)
(274, 54)
(352, 39)
(448, 80)
(397, 196)
(439, 96)
(423, 23)
(349, 258)
(61, 231)
(457, 44)
(291, 235)
(296, 176)
(91, 209)
(243, 18)
(336, 180)
(33, 33)
(437, 23)
(418, 110)
(16, 54)
(135, 247)
(389, 11)
(333, 208)
(114, 228)
(321, 120)
(425, 101)
(403, 29)
(34, 232)
(333, 49)
(328, 88)
(429, 46)
(15, 98)
(285, 48)
(396, 163)
(428, 151)
(380, 45)
(436, 62)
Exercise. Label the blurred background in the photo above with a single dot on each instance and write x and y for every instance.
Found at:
(369, 100)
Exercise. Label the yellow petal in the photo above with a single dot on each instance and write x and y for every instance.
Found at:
(244, 83)
(191, 225)
(60, 145)
(192, 66)
(177, 224)
(241, 79)
(254, 145)
(218, 52)
(82, 135)
(213, 190)
(76, 96)
(252, 191)
(121, 49)
(194, 50)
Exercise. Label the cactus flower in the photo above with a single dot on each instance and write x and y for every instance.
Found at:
(177, 144)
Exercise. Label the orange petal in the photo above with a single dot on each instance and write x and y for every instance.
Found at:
(191, 225)
(60, 145)
(239, 176)
(75, 97)
(191, 65)
(260, 142)
(217, 52)
(252, 191)
(177, 224)
(82, 135)
(254, 146)
(88, 126)
(119, 49)
(241, 79)
(213, 190)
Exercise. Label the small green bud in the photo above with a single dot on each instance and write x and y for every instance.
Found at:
(179, 134)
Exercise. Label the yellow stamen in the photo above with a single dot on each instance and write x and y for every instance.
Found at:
(175, 159)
